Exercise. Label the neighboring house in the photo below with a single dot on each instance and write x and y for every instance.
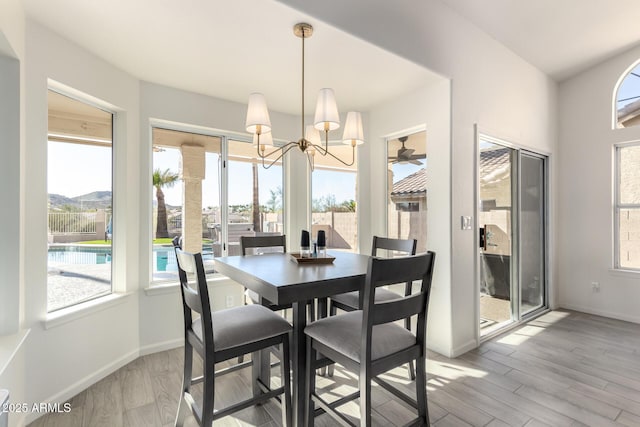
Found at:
(409, 196)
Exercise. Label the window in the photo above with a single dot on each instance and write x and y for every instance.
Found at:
(187, 165)
(79, 185)
(333, 193)
(628, 100)
(407, 189)
(627, 206)
(187, 198)
(254, 197)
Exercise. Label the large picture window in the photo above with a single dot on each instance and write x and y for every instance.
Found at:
(189, 194)
(79, 185)
(407, 188)
(334, 195)
(627, 206)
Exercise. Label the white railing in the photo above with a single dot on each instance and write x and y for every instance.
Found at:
(72, 222)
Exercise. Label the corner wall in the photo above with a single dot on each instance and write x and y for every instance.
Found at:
(62, 360)
(586, 177)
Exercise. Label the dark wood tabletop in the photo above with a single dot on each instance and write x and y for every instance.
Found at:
(280, 279)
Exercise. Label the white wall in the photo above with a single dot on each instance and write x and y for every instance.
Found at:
(12, 352)
(428, 108)
(64, 359)
(490, 86)
(585, 197)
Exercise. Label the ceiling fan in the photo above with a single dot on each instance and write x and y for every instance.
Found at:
(405, 155)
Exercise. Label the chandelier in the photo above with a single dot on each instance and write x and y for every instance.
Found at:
(326, 119)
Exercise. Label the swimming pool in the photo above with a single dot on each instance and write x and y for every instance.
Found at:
(164, 257)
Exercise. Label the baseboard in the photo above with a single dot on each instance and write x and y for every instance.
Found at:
(163, 346)
(603, 313)
(86, 382)
(462, 349)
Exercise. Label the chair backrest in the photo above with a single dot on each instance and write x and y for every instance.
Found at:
(270, 241)
(385, 271)
(195, 298)
(407, 246)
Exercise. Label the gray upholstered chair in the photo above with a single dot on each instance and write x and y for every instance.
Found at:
(369, 343)
(221, 336)
(350, 301)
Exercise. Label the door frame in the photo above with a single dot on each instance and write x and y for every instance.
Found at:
(518, 319)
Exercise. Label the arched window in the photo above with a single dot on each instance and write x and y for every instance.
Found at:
(628, 100)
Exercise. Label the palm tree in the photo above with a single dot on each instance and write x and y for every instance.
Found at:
(161, 179)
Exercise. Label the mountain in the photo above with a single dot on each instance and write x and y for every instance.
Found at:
(90, 201)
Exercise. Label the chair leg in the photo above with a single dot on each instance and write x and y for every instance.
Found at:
(332, 312)
(421, 390)
(311, 384)
(285, 375)
(365, 396)
(412, 372)
(208, 392)
(183, 407)
(255, 373)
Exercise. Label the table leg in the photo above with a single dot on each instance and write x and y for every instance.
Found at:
(322, 313)
(264, 365)
(299, 362)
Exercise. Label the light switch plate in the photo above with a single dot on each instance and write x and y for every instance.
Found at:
(465, 222)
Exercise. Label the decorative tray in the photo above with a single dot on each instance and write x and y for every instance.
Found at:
(297, 258)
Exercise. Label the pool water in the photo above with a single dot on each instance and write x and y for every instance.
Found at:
(164, 258)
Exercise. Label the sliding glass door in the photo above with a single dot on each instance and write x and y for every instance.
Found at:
(512, 234)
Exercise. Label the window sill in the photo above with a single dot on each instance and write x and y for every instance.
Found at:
(165, 288)
(9, 346)
(75, 312)
(633, 274)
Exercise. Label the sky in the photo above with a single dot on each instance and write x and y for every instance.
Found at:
(629, 88)
(95, 170)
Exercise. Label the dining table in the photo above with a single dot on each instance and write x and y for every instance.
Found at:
(280, 279)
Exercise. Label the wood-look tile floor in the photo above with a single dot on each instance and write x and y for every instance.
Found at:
(562, 369)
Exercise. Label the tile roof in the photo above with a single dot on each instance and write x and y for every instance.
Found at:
(492, 159)
(416, 183)
(413, 184)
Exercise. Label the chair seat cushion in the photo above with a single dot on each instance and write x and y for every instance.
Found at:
(243, 325)
(343, 334)
(350, 299)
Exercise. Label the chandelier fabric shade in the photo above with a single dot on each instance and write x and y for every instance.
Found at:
(266, 140)
(353, 129)
(326, 119)
(258, 121)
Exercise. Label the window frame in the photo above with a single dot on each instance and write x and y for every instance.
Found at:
(90, 101)
(226, 137)
(618, 205)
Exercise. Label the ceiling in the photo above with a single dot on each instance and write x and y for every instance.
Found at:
(229, 49)
(560, 37)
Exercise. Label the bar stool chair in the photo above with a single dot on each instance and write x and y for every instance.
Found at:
(221, 336)
(368, 343)
(350, 301)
